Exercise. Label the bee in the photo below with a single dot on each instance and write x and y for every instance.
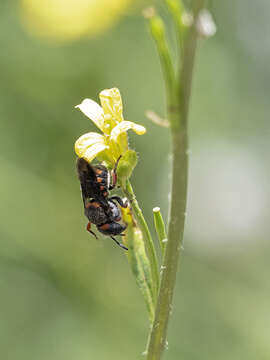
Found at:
(100, 209)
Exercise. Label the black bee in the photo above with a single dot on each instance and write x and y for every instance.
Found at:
(100, 209)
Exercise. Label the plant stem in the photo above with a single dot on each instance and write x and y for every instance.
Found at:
(147, 238)
(178, 116)
(157, 29)
(173, 248)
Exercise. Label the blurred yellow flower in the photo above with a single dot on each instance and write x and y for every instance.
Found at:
(70, 19)
(109, 119)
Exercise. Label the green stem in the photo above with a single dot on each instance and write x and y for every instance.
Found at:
(158, 32)
(147, 238)
(173, 248)
(177, 10)
(178, 116)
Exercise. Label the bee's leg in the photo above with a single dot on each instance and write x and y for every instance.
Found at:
(114, 174)
(118, 243)
(88, 228)
(120, 201)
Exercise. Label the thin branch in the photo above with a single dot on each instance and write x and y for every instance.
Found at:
(147, 238)
(160, 229)
(178, 116)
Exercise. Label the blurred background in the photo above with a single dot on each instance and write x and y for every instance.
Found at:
(65, 295)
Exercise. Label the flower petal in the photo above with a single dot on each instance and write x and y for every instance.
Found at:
(89, 145)
(125, 126)
(92, 110)
(112, 103)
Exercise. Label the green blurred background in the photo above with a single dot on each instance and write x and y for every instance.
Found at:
(65, 295)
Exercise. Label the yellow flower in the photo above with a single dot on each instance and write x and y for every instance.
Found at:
(66, 20)
(108, 117)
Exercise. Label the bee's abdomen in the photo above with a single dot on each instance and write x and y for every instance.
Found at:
(102, 179)
(111, 228)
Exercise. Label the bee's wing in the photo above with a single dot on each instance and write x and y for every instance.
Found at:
(87, 177)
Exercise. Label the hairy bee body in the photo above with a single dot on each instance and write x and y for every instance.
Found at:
(99, 209)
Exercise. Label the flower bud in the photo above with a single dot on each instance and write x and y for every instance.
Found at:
(157, 27)
(126, 165)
